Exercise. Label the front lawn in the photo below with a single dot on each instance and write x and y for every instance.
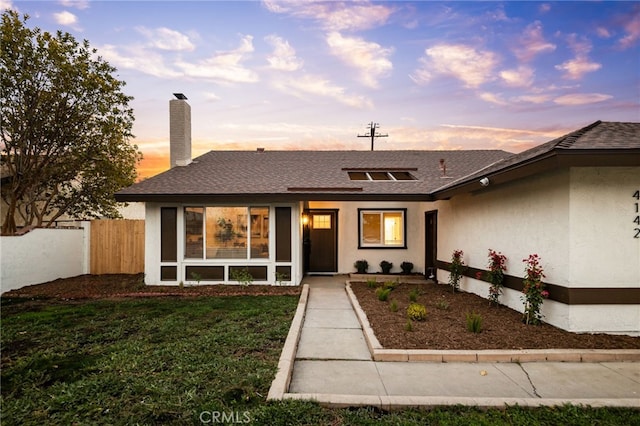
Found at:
(186, 361)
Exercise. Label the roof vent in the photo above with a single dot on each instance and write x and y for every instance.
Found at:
(443, 167)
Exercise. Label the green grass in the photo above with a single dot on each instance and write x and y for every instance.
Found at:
(166, 361)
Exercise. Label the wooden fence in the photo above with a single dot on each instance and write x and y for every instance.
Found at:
(117, 246)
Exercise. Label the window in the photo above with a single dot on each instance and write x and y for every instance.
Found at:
(392, 175)
(321, 221)
(382, 228)
(226, 232)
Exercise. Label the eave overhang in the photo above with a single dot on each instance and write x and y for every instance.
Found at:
(557, 158)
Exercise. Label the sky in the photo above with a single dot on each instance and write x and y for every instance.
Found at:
(291, 75)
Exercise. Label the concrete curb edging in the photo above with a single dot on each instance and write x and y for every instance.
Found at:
(280, 384)
(401, 402)
(378, 353)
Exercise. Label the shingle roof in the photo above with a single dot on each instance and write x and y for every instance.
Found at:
(600, 139)
(322, 173)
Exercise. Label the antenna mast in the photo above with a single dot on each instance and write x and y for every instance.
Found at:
(372, 133)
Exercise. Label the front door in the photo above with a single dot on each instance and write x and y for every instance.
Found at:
(431, 242)
(323, 240)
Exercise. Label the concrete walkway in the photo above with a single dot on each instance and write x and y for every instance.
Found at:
(333, 365)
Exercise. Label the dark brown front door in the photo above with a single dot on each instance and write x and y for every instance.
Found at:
(431, 242)
(323, 239)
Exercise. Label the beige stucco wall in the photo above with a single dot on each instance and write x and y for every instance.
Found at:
(578, 220)
(348, 251)
(604, 251)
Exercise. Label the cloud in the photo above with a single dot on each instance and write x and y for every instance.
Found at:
(544, 8)
(534, 99)
(632, 28)
(465, 63)
(521, 77)
(369, 58)
(167, 39)
(319, 86)
(224, 67)
(493, 98)
(7, 4)
(335, 16)
(581, 99)
(575, 69)
(65, 18)
(603, 32)
(212, 97)
(283, 57)
(78, 4)
(532, 43)
(138, 58)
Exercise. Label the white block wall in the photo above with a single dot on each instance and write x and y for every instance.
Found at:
(43, 255)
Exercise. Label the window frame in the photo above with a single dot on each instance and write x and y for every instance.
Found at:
(381, 211)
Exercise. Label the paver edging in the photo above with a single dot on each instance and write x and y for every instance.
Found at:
(378, 353)
(393, 402)
(280, 384)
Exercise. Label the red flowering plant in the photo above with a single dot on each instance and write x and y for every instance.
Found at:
(456, 269)
(495, 275)
(533, 289)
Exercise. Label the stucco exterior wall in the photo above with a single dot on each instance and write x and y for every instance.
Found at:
(604, 251)
(518, 219)
(579, 221)
(348, 251)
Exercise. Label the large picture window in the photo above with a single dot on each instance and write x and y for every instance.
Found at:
(382, 228)
(226, 232)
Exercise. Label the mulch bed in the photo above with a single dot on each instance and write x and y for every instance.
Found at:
(446, 329)
(122, 285)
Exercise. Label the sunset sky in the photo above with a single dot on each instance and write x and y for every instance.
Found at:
(312, 75)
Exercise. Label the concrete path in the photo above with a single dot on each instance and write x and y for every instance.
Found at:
(333, 365)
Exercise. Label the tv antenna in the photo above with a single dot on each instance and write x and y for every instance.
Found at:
(372, 133)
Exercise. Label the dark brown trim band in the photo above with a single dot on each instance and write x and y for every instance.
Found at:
(566, 295)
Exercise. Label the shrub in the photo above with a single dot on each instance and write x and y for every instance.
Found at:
(474, 322)
(243, 276)
(417, 312)
(386, 266)
(383, 293)
(406, 267)
(390, 285)
(408, 326)
(457, 268)
(442, 304)
(497, 267)
(533, 289)
(372, 283)
(393, 306)
(413, 295)
(361, 266)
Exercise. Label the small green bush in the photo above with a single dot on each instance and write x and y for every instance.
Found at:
(383, 294)
(393, 306)
(390, 285)
(408, 326)
(443, 305)
(413, 295)
(372, 283)
(417, 312)
(474, 322)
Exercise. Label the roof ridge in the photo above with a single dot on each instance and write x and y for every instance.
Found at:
(568, 140)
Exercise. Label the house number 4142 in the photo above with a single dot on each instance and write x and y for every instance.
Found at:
(636, 220)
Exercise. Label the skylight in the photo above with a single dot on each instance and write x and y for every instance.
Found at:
(394, 175)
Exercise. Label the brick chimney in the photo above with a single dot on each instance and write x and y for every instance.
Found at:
(179, 130)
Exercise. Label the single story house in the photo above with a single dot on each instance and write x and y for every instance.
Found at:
(282, 214)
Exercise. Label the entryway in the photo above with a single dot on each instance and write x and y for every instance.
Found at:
(322, 241)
